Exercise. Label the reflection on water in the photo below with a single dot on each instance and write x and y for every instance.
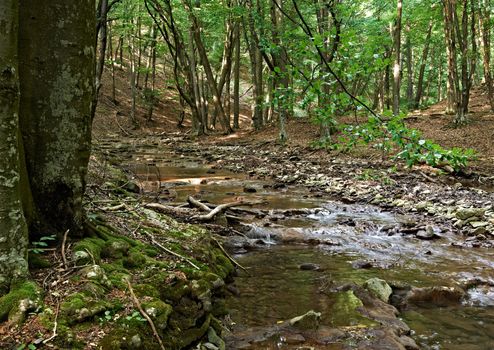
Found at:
(277, 289)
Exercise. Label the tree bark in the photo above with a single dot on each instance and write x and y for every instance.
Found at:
(256, 66)
(485, 21)
(102, 38)
(409, 53)
(57, 54)
(449, 33)
(207, 68)
(397, 62)
(236, 79)
(13, 228)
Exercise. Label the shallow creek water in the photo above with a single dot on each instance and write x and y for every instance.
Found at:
(277, 289)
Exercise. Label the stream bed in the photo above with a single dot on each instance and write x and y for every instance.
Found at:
(293, 260)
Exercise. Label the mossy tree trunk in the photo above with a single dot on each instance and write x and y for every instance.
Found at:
(57, 53)
(13, 228)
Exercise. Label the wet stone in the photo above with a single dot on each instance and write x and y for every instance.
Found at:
(466, 213)
(308, 321)
(310, 267)
(294, 338)
(249, 189)
(362, 264)
(379, 288)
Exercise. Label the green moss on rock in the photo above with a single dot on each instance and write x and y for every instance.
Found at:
(20, 300)
(159, 312)
(87, 250)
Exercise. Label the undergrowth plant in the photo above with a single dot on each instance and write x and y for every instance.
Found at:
(393, 137)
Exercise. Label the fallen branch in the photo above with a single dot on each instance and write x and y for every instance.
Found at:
(195, 203)
(145, 315)
(114, 208)
(161, 246)
(167, 209)
(228, 256)
(220, 209)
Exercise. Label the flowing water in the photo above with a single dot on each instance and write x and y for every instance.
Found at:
(336, 238)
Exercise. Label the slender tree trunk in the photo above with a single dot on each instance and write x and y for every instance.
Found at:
(137, 63)
(409, 55)
(207, 68)
(132, 79)
(236, 79)
(439, 81)
(112, 60)
(57, 68)
(485, 27)
(387, 87)
(199, 123)
(425, 54)
(463, 90)
(452, 82)
(13, 228)
(397, 62)
(102, 42)
(256, 67)
(280, 78)
(151, 56)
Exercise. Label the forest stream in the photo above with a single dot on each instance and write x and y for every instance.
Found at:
(300, 255)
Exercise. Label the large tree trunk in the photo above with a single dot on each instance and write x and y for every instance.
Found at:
(397, 62)
(13, 228)
(57, 55)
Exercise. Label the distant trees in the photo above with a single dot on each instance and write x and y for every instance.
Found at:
(393, 56)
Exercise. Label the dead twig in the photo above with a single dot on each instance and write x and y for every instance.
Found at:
(159, 245)
(115, 207)
(229, 257)
(145, 315)
(55, 323)
(64, 241)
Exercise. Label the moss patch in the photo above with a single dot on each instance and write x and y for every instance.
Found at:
(10, 303)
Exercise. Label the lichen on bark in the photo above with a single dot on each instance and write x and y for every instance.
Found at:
(13, 230)
(57, 92)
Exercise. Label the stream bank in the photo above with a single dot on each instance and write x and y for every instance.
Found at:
(139, 278)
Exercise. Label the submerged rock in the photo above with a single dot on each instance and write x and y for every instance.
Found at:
(436, 296)
(427, 234)
(250, 189)
(310, 320)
